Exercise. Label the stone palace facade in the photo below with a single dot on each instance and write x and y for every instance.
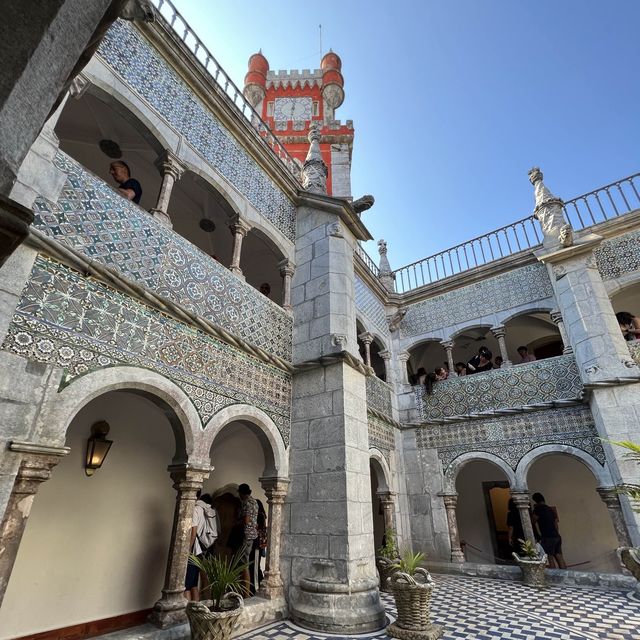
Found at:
(149, 318)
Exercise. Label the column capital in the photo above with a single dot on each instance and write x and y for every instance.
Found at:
(366, 337)
(499, 331)
(287, 268)
(386, 496)
(385, 355)
(556, 316)
(521, 498)
(447, 344)
(168, 164)
(239, 227)
(450, 499)
(275, 488)
(404, 356)
(186, 477)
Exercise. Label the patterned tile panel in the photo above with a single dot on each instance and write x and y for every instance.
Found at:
(619, 255)
(634, 349)
(517, 287)
(109, 229)
(371, 307)
(511, 437)
(143, 69)
(379, 395)
(81, 325)
(523, 384)
(381, 435)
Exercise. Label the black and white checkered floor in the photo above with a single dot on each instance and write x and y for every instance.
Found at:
(481, 609)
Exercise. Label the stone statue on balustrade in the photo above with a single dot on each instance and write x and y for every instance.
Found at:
(314, 169)
(549, 212)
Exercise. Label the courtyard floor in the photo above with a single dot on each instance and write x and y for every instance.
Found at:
(484, 609)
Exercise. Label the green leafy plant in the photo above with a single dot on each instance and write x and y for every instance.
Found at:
(410, 561)
(389, 550)
(528, 549)
(222, 574)
(631, 490)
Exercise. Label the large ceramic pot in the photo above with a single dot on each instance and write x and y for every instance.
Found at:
(385, 568)
(533, 570)
(412, 595)
(630, 558)
(214, 625)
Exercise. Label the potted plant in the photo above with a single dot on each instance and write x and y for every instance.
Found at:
(215, 619)
(532, 563)
(387, 558)
(411, 586)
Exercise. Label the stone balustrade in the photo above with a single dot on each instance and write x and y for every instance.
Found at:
(99, 223)
(539, 383)
(379, 396)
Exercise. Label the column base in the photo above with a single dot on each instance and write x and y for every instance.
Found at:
(161, 217)
(169, 611)
(271, 588)
(457, 557)
(336, 607)
(431, 632)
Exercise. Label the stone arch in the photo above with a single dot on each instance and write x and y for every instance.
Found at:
(458, 463)
(261, 425)
(523, 311)
(625, 281)
(473, 325)
(63, 406)
(600, 472)
(381, 468)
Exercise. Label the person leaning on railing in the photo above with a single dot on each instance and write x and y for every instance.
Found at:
(629, 325)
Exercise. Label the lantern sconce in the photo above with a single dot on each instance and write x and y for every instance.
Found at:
(97, 447)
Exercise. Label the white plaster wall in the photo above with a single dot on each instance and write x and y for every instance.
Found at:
(96, 547)
(585, 525)
(473, 523)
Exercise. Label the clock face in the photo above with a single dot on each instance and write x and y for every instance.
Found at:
(293, 109)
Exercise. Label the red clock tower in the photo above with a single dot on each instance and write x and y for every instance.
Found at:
(288, 101)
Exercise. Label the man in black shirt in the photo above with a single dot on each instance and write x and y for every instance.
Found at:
(546, 519)
(127, 186)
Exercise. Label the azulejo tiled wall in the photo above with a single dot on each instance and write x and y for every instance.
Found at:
(511, 437)
(370, 307)
(81, 325)
(379, 395)
(517, 386)
(620, 255)
(381, 435)
(109, 229)
(144, 70)
(505, 291)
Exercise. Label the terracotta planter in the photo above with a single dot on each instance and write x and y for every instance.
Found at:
(385, 570)
(214, 625)
(413, 597)
(630, 558)
(533, 570)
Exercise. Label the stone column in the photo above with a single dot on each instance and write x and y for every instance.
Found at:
(35, 468)
(171, 170)
(522, 502)
(450, 501)
(239, 230)
(388, 369)
(403, 358)
(611, 498)
(499, 333)
(388, 508)
(448, 347)
(366, 338)
(170, 609)
(556, 318)
(275, 490)
(286, 271)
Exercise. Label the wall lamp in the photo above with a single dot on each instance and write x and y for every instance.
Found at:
(97, 447)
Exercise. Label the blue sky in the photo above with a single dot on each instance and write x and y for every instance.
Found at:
(453, 101)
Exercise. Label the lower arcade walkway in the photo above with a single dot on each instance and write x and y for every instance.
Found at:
(485, 609)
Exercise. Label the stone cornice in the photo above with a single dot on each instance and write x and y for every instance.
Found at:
(19, 446)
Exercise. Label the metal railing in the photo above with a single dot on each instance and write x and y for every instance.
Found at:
(605, 203)
(180, 26)
(367, 259)
(608, 202)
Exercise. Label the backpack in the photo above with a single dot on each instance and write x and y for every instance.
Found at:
(209, 533)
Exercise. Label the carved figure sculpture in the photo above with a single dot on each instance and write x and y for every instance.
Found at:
(395, 320)
(314, 170)
(362, 204)
(548, 211)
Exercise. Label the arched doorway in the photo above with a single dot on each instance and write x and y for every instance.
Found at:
(537, 332)
(95, 548)
(468, 341)
(588, 538)
(380, 501)
(428, 355)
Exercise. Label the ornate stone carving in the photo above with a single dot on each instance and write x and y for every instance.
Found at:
(386, 276)
(314, 170)
(335, 230)
(549, 211)
(362, 204)
(339, 340)
(396, 319)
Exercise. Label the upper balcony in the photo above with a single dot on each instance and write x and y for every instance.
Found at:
(530, 386)
(379, 396)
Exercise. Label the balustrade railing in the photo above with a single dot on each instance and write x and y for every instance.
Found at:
(173, 18)
(368, 260)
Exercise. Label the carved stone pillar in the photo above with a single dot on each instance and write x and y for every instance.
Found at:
(35, 468)
(286, 271)
(611, 498)
(499, 333)
(448, 347)
(450, 501)
(366, 339)
(556, 318)
(388, 370)
(522, 502)
(388, 507)
(170, 609)
(275, 490)
(239, 230)
(403, 358)
(171, 170)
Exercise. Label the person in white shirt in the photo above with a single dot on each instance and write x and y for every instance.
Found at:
(525, 356)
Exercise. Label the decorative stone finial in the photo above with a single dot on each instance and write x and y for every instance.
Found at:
(549, 212)
(386, 277)
(314, 170)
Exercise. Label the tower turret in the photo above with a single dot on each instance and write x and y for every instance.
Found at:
(332, 84)
(255, 82)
